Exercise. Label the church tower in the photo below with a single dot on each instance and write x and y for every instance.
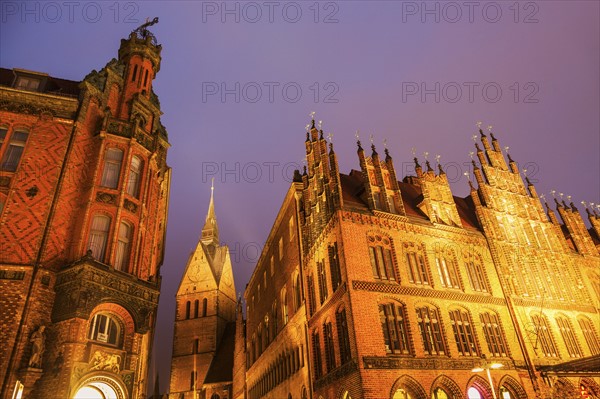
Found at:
(205, 319)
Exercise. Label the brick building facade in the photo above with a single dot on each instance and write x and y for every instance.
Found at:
(371, 287)
(84, 189)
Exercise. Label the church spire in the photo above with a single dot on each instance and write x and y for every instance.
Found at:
(210, 231)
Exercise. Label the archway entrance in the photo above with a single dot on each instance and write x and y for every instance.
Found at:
(100, 388)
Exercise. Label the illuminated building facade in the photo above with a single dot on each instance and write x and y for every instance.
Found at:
(84, 189)
(371, 287)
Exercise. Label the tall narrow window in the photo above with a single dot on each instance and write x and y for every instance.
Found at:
(196, 306)
(343, 339)
(395, 328)
(123, 246)
(431, 331)
(476, 275)
(204, 307)
(417, 271)
(329, 349)
(544, 338)
(291, 229)
(187, 309)
(284, 308)
(317, 355)
(106, 329)
(334, 266)
(297, 293)
(589, 333)
(322, 281)
(447, 271)
(145, 78)
(134, 75)
(463, 333)
(493, 334)
(99, 236)
(275, 313)
(112, 168)
(312, 302)
(196, 345)
(135, 172)
(380, 255)
(566, 331)
(193, 375)
(14, 151)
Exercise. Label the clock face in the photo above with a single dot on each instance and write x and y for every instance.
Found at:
(194, 272)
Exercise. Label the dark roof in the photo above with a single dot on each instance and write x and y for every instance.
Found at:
(221, 368)
(354, 197)
(52, 85)
(579, 366)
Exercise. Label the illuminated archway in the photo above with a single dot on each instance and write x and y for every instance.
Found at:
(100, 387)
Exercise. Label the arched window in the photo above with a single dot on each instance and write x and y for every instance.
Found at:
(589, 333)
(214, 395)
(310, 288)
(123, 246)
(134, 74)
(99, 236)
(446, 268)
(275, 313)
(329, 349)
(417, 268)
(112, 168)
(432, 333)
(318, 363)
(284, 307)
(297, 293)
(439, 393)
(322, 275)
(494, 336)
(14, 150)
(395, 328)
(380, 254)
(105, 328)
(463, 333)
(476, 274)
(564, 325)
(259, 340)
(343, 339)
(196, 306)
(187, 309)
(334, 266)
(544, 338)
(204, 307)
(135, 172)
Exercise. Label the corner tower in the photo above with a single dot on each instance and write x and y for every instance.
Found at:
(205, 317)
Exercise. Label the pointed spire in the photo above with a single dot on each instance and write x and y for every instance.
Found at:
(374, 151)
(440, 169)
(429, 168)
(210, 231)
(388, 157)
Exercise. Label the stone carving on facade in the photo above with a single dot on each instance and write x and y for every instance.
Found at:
(102, 361)
(38, 341)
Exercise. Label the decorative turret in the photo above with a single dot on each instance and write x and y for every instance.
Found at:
(210, 231)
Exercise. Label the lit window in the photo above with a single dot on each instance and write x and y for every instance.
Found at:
(395, 328)
(272, 265)
(431, 331)
(473, 393)
(463, 333)
(493, 334)
(417, 271)
(447, 271)
(112, 168)
(590, 336)
(476, 275)
(105, 328)
(284, 308)
(543, 336)
(14, 150)
(123, 246)
(99, 236)
(567, 333)
(280, 248)
(18, 391)
(291, 227)
(135, 171)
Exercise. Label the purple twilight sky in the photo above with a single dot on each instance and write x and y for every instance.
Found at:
(416, 74)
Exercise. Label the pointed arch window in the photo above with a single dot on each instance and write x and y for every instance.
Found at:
(187, 309)
(380, 254)
(99, 236)
(447, 270)
(544, 338)
(417, 268)
(204, 307)
(334, 266)
(322, 281)
(432, 333)
(318, 365)
(196, 306)
(135, 173)
(123, 246)
(312, 302)
(494, 336)
(463, 333)
(589, 333)
(343, 339)
(395, 328)
(284, 306)
(476, 274)
(564, 325)
(297, 293)
(329, 349)
(112, 168)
